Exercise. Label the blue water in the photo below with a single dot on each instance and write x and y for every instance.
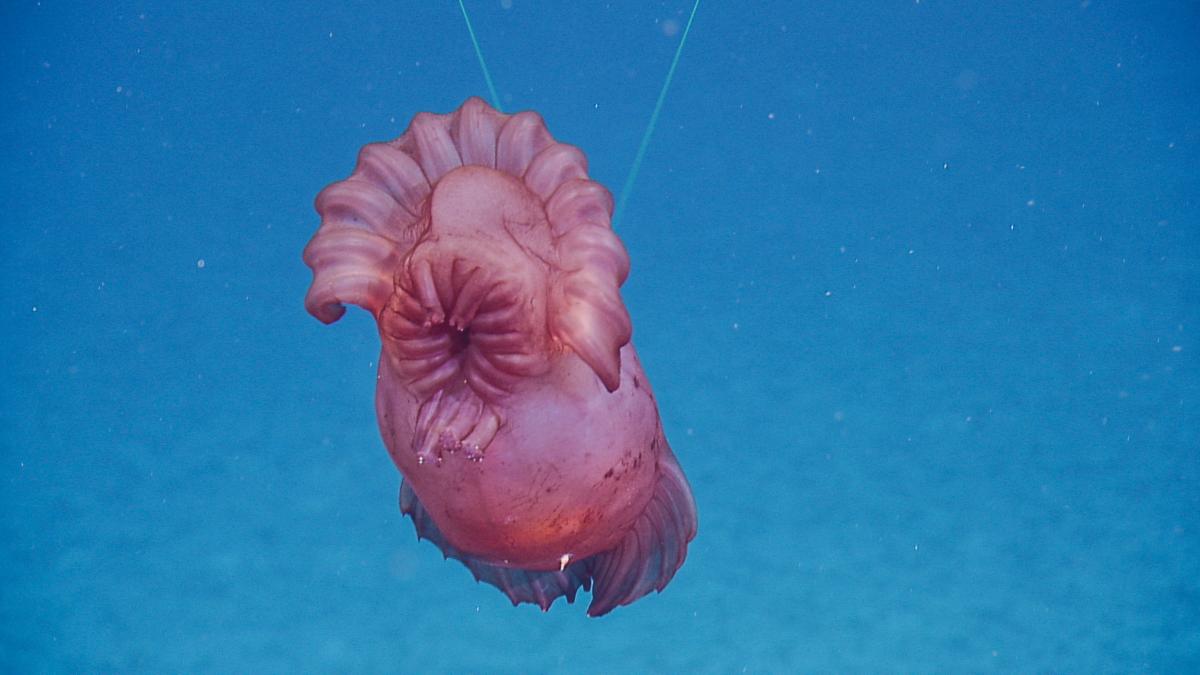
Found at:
(917, 284)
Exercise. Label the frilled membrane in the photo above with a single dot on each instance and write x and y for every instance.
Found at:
(372, 220)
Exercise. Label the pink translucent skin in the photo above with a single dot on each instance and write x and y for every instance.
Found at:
(509, 394)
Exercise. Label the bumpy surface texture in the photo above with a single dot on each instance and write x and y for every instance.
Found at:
(509, 394)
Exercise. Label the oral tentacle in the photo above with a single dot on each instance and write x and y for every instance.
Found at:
(426, 291)
(473, 291)
(451, 420)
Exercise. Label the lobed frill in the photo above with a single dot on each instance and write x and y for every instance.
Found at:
(372, 220)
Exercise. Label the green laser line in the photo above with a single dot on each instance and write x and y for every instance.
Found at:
(478, 52)
(662, 96)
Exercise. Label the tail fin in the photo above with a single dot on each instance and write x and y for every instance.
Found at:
(645, 560)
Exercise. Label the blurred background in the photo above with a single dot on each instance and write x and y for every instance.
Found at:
(917, 285)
